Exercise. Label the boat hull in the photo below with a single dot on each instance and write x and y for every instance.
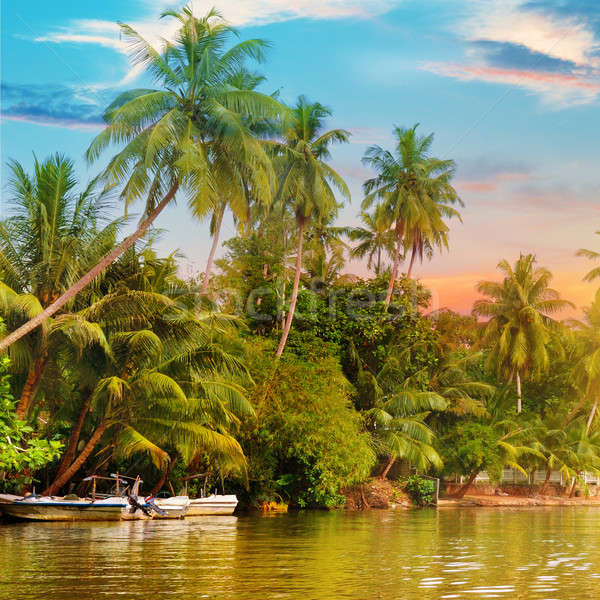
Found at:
(213, 505)
(40, 511)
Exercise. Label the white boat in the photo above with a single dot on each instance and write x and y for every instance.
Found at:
(51, 508)
(212, 505)
(175, 507)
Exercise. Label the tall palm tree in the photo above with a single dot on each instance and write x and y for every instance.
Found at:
(376, 239)
(307, 182)
(519, 310)
(413, 190)
(590, 255)
(169, 135)
(51, 238)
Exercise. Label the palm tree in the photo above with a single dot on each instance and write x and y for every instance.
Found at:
(306, 180)
(170, 135)
(590, 255)
(518, 309)
(51, 238)
(376, 238)
(166, 379)
(413, 190)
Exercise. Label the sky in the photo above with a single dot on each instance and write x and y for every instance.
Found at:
(510, 88)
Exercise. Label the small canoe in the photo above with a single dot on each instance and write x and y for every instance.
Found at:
(212, 505)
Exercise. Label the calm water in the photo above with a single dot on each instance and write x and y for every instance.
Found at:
(450, 553)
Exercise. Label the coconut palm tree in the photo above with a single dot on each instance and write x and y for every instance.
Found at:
(413, 190)
(375, 238)
(51, 238)
(171, 135)
(307, 182)
(519, 310)
(590, 255)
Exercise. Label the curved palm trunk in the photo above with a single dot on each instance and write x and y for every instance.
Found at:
(390, 290)
(294, 297)
(90, 275)
(465, 487)
(69, 454)
(387, 468)
(31, 386)
(519, 399)
(546, 481)
(591, 417)
(412, 262)
(163, 477)
(66, 476)
(213, 249)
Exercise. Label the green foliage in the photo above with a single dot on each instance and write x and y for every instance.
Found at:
(420, 490)
(21, 452)
(306, 444)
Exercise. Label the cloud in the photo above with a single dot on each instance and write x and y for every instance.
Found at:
(557, 89)
(537, 46)
(52, 106)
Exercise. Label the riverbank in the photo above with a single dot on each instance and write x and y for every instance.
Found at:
(502, 501)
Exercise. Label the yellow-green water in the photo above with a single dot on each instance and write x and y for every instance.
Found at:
(450, 553)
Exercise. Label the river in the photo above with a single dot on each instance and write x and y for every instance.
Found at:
(374, 555)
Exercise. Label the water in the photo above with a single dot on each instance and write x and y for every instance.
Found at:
(525, 553)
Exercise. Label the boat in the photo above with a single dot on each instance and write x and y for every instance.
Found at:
(212, 505)
(175, 507)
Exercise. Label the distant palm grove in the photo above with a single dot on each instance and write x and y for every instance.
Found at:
(276, 372)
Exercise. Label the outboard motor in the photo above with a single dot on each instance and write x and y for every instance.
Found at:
(150, 502)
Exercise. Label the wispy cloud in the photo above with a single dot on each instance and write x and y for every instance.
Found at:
(528, 45)
(557, 89)
(51, 106)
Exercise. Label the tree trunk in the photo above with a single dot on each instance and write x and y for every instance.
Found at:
(573, 487)
(394, 276)
(90, 275)
(66, 476)
(465, 487)
(30, 388)
(546, 481)
(519, 399)
(69, 454)
(213, 249)
(163, 477)
(387, 468)
(378, 268)
(294, 297)
(591, 417)
(412, 262)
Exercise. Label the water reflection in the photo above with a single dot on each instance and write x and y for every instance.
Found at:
(380, 555)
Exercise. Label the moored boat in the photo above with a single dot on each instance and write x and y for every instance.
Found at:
(175, 507)
(50, 508)
(212, 505)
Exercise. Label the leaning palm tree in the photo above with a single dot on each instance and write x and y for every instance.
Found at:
(413, 190)
(375, 238)
(50, 239)
(307, 182)
(519, 310)
(169, 135)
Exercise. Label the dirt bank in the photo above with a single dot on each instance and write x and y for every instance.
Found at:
(376, 493)
(482, 500)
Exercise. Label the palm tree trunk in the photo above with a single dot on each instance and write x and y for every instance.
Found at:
(387, 468)
(573, 487)
(163, 477)
(30, 388)
(294, 297)
(90, 275)
(394, 276)
(546, 481)
(213, 249)
(519, 399)
(69, 454)
(591, 417)
(66, 476)
(465, 487)
(378, 269)
(412, 262)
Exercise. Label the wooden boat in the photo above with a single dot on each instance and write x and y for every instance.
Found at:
(50, 508)
(212, 505)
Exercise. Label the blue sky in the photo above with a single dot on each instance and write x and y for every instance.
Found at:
(511, 89)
